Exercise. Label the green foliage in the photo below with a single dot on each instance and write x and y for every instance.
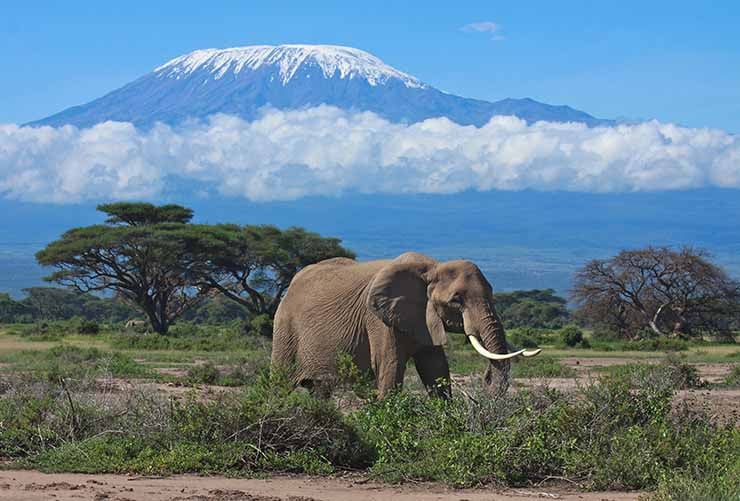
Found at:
(141, 214)
(724, 486)
(733, 378)
(253, 265)
(88, 327)
(261, 325)
(350, 377)
(203, 373)
(53, 304)
(267, 428)
(216, 310)
(67, 361)
(532, 308)
(525, 337)
(611, 435)
(246, 371)
(572, 337)
(187, 336)
(672, 371)
(608, 437)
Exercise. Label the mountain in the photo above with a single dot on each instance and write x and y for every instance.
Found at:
(240, 81)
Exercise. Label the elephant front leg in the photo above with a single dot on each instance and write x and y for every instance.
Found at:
(431, 364)
(389, 366)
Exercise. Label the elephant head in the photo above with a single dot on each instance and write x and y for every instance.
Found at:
(421, 297)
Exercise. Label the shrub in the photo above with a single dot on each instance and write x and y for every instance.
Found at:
(261, 325)
(672, 372)
(183, 329)
(609, 435)
(733, 378)
(88, 327)
(203, 373)
(656, 344)
(524, 338)
(267, 428)
(572, 337)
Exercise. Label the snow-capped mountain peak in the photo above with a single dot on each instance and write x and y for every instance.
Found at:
(242, 81)
(332, 60)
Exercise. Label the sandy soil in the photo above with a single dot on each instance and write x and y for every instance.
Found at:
(33, 486)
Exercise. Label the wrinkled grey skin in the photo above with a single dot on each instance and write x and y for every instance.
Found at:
(382, 313)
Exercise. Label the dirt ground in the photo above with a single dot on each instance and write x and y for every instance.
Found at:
(19, 485)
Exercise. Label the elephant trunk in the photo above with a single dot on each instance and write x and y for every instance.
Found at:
(484, 327)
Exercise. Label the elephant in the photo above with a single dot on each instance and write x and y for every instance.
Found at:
(383, 313)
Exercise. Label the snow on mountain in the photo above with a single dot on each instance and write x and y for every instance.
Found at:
(241, 81)
(344, 62)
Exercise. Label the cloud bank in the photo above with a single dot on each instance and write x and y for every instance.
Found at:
(285, 155)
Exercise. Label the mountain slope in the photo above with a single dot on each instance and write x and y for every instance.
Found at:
(240, 81)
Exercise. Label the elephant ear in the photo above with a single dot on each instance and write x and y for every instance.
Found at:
(398, 296)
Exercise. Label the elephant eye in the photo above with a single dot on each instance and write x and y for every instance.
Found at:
(456, 300)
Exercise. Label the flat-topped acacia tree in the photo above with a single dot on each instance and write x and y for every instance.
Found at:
(142, 252)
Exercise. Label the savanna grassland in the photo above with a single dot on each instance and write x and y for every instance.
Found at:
(653, 419)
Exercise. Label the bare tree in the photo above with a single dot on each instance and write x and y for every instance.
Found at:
(671, 292)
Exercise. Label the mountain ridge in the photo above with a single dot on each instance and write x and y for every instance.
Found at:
(243, 80)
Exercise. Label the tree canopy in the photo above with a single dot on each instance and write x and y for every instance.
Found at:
(142, 253)
(676, 292)
(253, 265)
(539, 308)
(155, 258)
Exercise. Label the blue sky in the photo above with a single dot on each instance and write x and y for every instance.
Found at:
(675, 61)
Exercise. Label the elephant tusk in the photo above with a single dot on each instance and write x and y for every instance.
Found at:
(492, 356)
(532, 353)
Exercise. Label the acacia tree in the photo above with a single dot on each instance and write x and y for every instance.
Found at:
(676, 292)
(253, 265)
(142, 252)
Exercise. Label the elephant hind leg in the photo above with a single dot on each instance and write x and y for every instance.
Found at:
(431, 364)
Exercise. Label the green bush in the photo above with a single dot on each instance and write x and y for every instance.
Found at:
(733, 378)
(191, 337)
(571, 336)
(267, 428)
(183, 329)
(88, 327)
(656, 344)
(614, 434)
(672, 371)
(203, 373)
(261, 325)
(524, 338)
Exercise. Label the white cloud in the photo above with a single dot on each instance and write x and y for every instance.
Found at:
(485, 27)
(324, 150)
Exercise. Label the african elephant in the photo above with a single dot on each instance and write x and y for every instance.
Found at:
(384, 312)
